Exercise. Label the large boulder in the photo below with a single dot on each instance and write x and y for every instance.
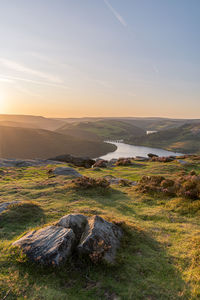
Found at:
(66, 171)
(49, 246)
(90, 236)
(76, 222)
(100, 240)
(84, 162)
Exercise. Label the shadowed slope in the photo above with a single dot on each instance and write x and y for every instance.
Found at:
(39, 143)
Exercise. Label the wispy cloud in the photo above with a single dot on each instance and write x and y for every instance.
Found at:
(115, 13)
(13, 79)
(23, 69)
(6, 80)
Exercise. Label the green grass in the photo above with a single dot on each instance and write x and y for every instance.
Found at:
(159, 256)
(184, 139)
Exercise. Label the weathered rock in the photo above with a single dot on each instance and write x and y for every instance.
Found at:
(66, 171)
(19, 163)
(101, 163)
(112, 162)
(152, 155)
(85, 162)
(49, 246)
(76, 222)
(184, 163)
(100, 240)
(141, 158)
(5, 205)
(92, 236)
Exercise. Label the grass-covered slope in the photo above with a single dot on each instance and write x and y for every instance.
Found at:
(159, 256)
(102, 129)
(185, 139)
(39, 143)
(28, 121)
(158, 124)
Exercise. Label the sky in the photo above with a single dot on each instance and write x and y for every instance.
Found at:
(76, 58)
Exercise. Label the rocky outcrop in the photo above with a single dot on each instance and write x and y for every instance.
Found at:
(141, 158)
(100, 163)
(150, 155)
(84, 162)
(49, 246)
(66, 171)
(76, 222)
(90, 236)
(19, 163)
(100, 240)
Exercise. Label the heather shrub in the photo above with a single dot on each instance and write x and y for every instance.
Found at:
(123, 162)
(187, 186)
(87, 182)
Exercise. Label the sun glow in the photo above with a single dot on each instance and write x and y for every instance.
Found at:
(2, 102)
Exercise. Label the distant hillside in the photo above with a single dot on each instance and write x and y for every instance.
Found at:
(39, 143)
(159, 124)
(27, 121)
(185, 139)
(102, 129)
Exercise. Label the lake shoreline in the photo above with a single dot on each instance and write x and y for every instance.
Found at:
(127, 150)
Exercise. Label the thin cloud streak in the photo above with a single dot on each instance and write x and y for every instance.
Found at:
(11, 79)
(115, 13)
(21, 68)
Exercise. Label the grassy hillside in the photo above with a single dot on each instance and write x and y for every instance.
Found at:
(185, 139)
(159, 124)
(27, 121)
(159, 257)
(103, 129)
(39, 143)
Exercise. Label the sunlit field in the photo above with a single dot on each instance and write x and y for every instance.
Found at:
(159, 255)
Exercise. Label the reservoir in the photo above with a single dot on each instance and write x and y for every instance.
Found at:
(126, 150)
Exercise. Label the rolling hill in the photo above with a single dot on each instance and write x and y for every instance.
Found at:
(28, 121)
(185, 139)
(39, 143)
(102, 130)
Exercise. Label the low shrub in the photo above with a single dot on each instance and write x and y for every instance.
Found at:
(187, 186)
(88, 182)
(162, 159)
(124, 162)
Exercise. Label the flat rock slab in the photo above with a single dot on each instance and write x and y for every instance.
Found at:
(66, 171)
(184, 163)
(100, 240)
(5, 205)
(25, 163)
(49, 246)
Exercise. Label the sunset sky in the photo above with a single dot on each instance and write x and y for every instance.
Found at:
(73, 58)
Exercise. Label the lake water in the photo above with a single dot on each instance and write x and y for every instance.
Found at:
(126, 150)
